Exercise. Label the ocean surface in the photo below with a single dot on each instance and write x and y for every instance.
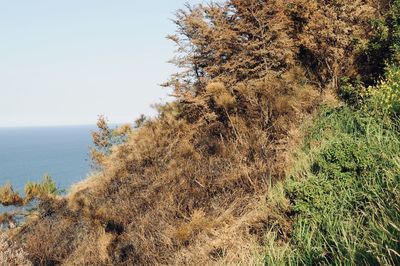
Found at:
(26, 154)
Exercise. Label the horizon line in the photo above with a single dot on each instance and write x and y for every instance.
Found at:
(58, 125)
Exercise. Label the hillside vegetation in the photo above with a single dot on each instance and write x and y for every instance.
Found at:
(281, 147)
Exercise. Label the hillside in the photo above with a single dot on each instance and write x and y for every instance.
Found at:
(281, 147)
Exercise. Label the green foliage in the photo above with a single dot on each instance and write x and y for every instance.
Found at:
(346, 197)
(384, 99)
(381, 100)
(382, 51)
(384, 46)
(41, 190)
(351, 91)
(250, 71)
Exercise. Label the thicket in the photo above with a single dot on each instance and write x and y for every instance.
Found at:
(344, 192)
(383, 48)
(189, 186)
(343, 187)
(380, 51)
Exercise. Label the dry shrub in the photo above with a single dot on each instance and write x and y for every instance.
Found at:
(167, 186)
(8, 219)
(105, 138)
(8, 196)
(231, 42)
(242, 40)
(329, 35)
(94, 249)
(49, 243)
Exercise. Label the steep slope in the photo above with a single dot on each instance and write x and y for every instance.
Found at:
(189, 187)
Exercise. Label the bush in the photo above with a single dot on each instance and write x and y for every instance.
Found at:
(346, 196)
(180, 189)
(46, 190)
(8, 196)
(383, 47)
(381, 50)
(384, 99)
(41, 190)
(351, 91)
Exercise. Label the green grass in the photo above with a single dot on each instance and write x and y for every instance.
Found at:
(345, 194)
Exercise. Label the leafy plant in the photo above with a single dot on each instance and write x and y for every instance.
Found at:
(46, 188)
(384, 99)
(383, 47)
(346, 197)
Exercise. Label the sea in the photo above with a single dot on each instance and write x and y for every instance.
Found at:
(29, 153)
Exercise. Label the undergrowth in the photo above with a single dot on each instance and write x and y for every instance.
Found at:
(344, 188)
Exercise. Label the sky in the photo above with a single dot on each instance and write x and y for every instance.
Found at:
(65, 62)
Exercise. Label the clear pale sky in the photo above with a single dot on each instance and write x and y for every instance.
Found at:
(64, 62)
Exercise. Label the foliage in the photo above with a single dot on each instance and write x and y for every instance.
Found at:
(231, 42)
(352, 91)
(329, 34)
(8, 196)
(46, 188)
(106, 138)
(380, 51)
(383, 47)
(384, 98)
(242, 40)
(346, 195)
(381, 100)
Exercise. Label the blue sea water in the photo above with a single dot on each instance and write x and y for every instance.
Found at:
(26, 154)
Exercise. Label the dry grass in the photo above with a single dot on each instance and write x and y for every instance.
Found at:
(10, 254)
(236, 240)
(174, 193)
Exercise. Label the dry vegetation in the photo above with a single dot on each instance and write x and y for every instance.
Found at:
(192, 186)
(46, 188)
(10, 254)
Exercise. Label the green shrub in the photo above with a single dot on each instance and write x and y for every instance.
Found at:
(351, 91)
(384, 99)
(381, 50)
(383, 47)
(41, 190)
(346, 197)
